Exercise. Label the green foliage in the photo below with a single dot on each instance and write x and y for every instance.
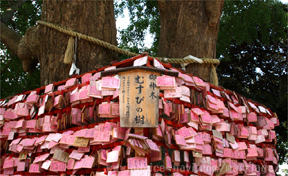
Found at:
(144, 16)
(252, 47)
(24, 17)
(13, 79)
(246, 21)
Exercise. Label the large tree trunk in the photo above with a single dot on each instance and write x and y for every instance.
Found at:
(93, 18)
(190, 28)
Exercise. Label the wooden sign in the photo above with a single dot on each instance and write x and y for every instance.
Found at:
(81, 142)
(139, 99)
(224, 169)
(61, 156)
(217, 134)
(230, 138)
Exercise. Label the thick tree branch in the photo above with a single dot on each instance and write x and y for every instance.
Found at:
(10, 38)
(24, 47)
(214, 10)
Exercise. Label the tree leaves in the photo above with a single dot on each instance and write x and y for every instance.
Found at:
(13, 79)
(252, 46)
(247, 21)
(144, 17)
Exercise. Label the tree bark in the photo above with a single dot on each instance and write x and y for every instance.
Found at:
(190, 28)
(10, 38)
(93, 18)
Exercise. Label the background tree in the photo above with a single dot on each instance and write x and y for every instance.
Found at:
(187, 28)
(252, 43)
(43, 44)
(19, 17)
(252, 47)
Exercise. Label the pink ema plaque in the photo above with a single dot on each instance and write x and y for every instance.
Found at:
(137, 163)
(34, 168)
(57, 166)
(110, 82)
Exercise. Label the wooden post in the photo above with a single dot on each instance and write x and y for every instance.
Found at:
(139, 99)
(139, 95)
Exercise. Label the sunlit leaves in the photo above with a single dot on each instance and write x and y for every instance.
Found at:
(252, 46)
(144, 17)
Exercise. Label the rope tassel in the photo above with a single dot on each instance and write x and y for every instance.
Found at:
(69, 53)
(213, 75)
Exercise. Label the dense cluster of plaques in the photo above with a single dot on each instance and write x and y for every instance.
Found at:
(91, 124)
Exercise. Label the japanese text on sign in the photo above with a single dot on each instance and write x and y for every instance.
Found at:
(139, 99)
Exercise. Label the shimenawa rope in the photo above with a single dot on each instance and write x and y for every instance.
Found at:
(122, 51)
